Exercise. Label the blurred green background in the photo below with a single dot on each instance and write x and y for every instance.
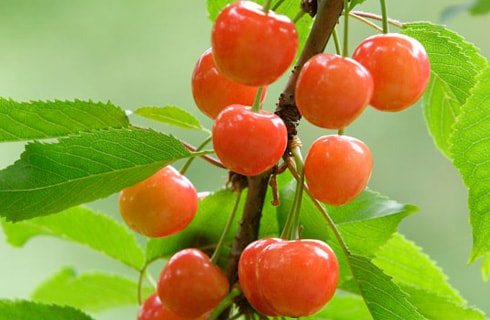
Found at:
(137, 53)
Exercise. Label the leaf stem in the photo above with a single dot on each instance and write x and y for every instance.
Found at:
(365, 21)
(189, 161)
(377, 17)
(231, 217)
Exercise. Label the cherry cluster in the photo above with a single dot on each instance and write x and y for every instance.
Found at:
(252, 47)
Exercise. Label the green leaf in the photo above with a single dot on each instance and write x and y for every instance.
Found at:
(480, 7)
(343, 307)
(354, 3)
(408, 265)
(50, 177)
(28, 310)
(171, 115)
(83, 226)
(384, 298)
(424, 282)
(215, 6)
(470, 149)
(53, 119)
(91, 291)
(454, 65)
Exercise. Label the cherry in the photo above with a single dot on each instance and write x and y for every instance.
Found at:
(253, 47)
(152, 309)
(247, 142)
(212, 91)
(400, 69)
(337, 168)
(332, 91)
(288, 278)
(161, 205)
(248, 278)
(190, 285)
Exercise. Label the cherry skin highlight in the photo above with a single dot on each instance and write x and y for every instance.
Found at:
(212, 91)
(337, 168)
(333, 91)
(253, 47)
(400, 69)
(247, 142)
(190, 285)
(160, 205)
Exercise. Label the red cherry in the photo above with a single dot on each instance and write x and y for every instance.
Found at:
(289, 278)
(152, 309)
(247, 274)
(190, 285)
(400, 69)
(332, 91)
(161, 205)
(253, 47)
(212, 91)
(337, 168)
(248, 142)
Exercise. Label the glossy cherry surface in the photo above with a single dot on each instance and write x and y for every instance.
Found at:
(212, 91)
(253, 47)
(332, 91)
(337, 168)
(190, 285)
(400, 69)
(161, 205)
(248, 142)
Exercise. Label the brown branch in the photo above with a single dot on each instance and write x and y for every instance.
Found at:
(327, 15)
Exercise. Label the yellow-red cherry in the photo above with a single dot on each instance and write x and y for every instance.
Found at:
(247, 274)
(253, 47)
(190, 285)
(332, 91)
(289, 278)
(212, 91)
(152, 309)
(161, 205)
(400, 68)
(248, 142)
(337, 168)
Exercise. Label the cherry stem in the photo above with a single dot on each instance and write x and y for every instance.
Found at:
(257, 105)
(142, 275)
(377, 17)
(189, 161)
(336, 42)
(226, 230)
(291, 227)
(225, 303)
(384, 15)
(365, 21)
(267, 5)
(299, 15)
(345, 48)
(277, 5)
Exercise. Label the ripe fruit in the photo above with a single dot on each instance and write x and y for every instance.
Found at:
(161, 205)
(247, 274)
(212, 91)
(190, 285)
(288, 278)
(332, 91)
(400, 69)
(337, 168)
(248, 142)
(152, 309)
(253, 47)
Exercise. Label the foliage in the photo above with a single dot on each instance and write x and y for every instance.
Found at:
(90, 150)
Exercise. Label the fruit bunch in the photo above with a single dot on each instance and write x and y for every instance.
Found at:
(251, 48)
